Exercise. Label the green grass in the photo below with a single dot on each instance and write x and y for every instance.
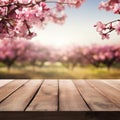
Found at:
(59, 72)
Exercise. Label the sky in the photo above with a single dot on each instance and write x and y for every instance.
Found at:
(78, 27)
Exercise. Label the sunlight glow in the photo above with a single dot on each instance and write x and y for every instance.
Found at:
(78, 28)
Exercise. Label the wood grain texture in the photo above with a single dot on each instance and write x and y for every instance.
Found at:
(113, 83)
(60, 95)
(8, 89)
(21, 98)
(69, 97)
(4, 82)
(46, 98)
(108, 91)
(95, 100)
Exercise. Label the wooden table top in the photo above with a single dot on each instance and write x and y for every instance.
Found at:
(59, 95)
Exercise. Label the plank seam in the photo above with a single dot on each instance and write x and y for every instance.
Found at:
(13, 91)
(82, 96)
(99, 91)
(111, 85)
(33, 96)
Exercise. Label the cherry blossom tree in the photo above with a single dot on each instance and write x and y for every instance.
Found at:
(18, 17)
(103, 55)
(105, 29)
(90, 55)
(11, 50)
(72, 56)
(95, 55)
(36, 55)
(39, 54)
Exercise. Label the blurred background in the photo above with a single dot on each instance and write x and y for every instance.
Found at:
(25, 59)
(72, 50)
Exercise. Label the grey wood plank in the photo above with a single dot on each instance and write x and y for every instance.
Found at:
(4, 82)
(95, 100)
(47, 97)
(106, 90)
(69, 97)
(19, 100)
(10, 88)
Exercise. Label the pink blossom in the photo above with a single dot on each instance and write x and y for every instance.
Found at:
(60, 7)
(102, 57)
(116, 9)
(78, 3)
(95, 57)
(100, 26)
(104, 36)
(111, 5)
(117, 28)
(104, 5)
(25, 14)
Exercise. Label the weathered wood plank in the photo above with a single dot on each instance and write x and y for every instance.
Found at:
(108, 91)
(9, 88)
(69, 97)
(4, 82)
(19, 100)
(63, 95)
(47, 97)
(113, 83)
(95, 100)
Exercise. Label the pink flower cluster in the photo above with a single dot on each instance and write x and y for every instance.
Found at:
(105, 29)
(111, 5)
(22, 51)
(18, 17)
(103, 55)
(73, 3)
(96, 55)
(11, 50)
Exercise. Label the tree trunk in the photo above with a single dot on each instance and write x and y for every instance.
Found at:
(8, 68)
